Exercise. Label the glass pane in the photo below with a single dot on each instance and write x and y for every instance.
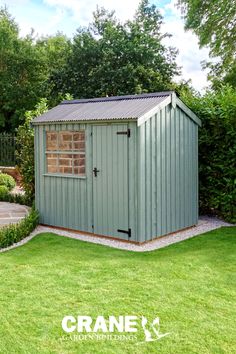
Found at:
(79, 140)
(52, 166)
(79, 164)
(65, 162)
(79, 136)
(51, 138)
(79, 145)
(65, 141)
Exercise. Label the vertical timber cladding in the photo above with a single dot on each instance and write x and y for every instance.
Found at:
(62, 201)
(68, 201)
(114, 180)
(110, 180)
(167, 173)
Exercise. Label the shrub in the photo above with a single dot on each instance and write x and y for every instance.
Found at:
(7, 180)
(25, 149)
(6, 196)
(3, 192)
(16, 232)
(217, 151)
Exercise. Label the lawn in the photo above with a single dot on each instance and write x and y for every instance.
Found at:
(190, 286)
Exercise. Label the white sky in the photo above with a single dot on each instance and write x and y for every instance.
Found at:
(50, 16)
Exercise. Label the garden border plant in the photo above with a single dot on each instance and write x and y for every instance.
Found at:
(25, 149)
(16, 232)
(13, 233)
(6, 196)
(7, 181)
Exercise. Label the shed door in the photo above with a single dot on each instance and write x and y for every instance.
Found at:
(110, 180)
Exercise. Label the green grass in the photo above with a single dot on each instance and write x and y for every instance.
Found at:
(190, 286)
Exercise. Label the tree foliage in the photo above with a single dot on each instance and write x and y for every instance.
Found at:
(111, 58)
(27, 70)
(230, 77)
(106, 58)
(21, 73)
(25, 148)
(214, 22)
(54, 51)
(217, 150)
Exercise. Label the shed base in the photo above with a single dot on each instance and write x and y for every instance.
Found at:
(85, 233)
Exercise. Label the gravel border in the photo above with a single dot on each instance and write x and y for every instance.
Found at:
(205, 224)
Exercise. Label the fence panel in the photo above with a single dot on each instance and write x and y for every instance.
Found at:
(7, 150)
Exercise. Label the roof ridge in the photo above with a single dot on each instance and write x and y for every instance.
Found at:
(118, 98)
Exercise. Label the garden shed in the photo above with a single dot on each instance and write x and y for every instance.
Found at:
(124, 167)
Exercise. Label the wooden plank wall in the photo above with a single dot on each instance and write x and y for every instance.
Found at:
(62, 201)
(67, 201)
(167, 174)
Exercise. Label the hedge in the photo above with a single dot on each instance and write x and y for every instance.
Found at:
(217, 151)
(6, 196)
(17, 232)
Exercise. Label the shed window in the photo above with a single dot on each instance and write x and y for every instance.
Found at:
(65, 152)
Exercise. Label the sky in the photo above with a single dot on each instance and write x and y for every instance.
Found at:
(51, 16)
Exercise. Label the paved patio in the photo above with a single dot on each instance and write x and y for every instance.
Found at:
(11, 213)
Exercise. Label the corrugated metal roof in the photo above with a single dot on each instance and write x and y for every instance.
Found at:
(104, 108)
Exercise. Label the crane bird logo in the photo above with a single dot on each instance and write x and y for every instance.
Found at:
(152, 333)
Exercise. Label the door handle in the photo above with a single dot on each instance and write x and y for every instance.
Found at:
(95, 171)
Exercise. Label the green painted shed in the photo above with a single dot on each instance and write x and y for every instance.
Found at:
(123, 167)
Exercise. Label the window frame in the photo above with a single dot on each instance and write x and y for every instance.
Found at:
(64, 152)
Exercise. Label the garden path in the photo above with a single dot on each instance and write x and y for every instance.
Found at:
(11, 213)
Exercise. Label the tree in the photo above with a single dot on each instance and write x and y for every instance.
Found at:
(30, 68)
(106, 58)
(111, 58)
(214, 22)
(54, 52)
(21, 73)
(230, 77)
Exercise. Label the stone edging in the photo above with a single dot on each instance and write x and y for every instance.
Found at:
(205, 224)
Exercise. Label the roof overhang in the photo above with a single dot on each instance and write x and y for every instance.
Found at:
(174, 101)
(139, 111)
(188, 111)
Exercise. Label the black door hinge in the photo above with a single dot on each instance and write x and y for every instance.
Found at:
(125, 232)
(127, 132)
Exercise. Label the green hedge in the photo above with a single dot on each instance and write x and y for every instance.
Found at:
(217, 151)
(7, 181)
(17, 232)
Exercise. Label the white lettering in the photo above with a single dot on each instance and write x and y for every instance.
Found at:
(114, 323)
(64, 324)
(84, 323)
(100, 324)
(130, 322)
